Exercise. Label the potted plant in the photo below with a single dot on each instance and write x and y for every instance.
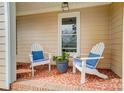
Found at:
(62, 62)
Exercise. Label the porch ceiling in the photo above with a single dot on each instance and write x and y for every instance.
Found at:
(24, 8)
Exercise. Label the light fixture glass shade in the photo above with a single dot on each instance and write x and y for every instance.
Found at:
(65, 6)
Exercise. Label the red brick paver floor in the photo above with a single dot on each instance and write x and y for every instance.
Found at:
(44, 80)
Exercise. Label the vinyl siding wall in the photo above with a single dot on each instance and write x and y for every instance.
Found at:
(2, 46)
(94, 29)
(116, 37)
(40, 28)
(43, 28)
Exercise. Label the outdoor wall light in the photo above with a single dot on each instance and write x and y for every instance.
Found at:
(65, 6)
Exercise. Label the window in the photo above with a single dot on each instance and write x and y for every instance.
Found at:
(69, 33)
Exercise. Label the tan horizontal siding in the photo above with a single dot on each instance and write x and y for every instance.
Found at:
(117, 52)
(1, 10)
(2, 25)
(2, 18)
(1, 4)
(117, 29)
(2, 69)
(2, 84)
(116, 40)
(2, 47)
(116, 62)
(116, 69)
(2, 62)
(2, 32)
(104, 63)
(2, 40)
(2, 77)
(116, 46)
(116, 37)
(116, 58)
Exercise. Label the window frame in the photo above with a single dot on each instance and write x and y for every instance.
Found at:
(66, 15)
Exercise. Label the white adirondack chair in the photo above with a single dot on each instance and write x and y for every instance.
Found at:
(37, 57)
(88, 64)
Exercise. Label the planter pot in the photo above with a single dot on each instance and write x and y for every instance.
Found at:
(62, 66)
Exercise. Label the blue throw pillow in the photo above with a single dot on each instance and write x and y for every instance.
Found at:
(37, 55)
(92, 63)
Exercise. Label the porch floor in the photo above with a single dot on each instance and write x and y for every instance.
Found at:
(45, 81)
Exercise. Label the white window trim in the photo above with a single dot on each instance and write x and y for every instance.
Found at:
(65, 15)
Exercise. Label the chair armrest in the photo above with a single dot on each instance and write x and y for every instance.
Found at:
(90, 58)
(49, 54)
(75, 55)
(87, 58)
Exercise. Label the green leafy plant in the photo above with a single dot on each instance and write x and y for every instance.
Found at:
(63, 58)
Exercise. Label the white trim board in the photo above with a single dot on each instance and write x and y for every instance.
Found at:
(123, 52)
(7, 32)
(10, 43)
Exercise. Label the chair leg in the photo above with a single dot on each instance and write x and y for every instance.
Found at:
(74, 69)
(49, 67)
(83, 72)
(32, 71)
(82, 77)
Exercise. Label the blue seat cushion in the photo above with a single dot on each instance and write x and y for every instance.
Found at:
(40, 60)
(92, 63)
(79, 63)
(37, 55)
(89, 63)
